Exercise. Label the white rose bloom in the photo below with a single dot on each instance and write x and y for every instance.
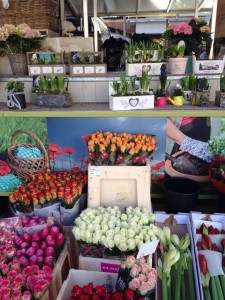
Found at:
(96, 226)
(103, 238)
(136, 218)
(123, 232)
(131, 245)
(117, 230)
(145, 220)
(97, 220)
(90, 227)
(111, 243)
(137, 239)
(82, 234)
(85, 218)
(76, 232)
(113, 219)
(122, 245)
(140, 223)
(78, 220)
(124, 224)
(154, 238)
(111, 224)
(131, 233)
(88, 236)
(140, 244)
(117, 239)
(123, 217)
(118, 223)
(118, 213)
(145, 210)
(129, 210)
(105, 228)
(151, 217)
(147, 239)
(97, 237)
(110, 232)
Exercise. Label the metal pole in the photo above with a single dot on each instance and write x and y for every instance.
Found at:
(124, 28)
(196, 7)
(62, 13)
(95, 26)
(213, 26)
(85, 14)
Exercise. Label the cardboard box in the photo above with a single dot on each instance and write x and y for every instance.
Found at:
(153, 68)
(182, 226)
(99, 264)
(207, 66)
(131, 102)
(119, 185)
(81, 278)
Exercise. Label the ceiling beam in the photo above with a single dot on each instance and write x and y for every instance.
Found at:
(201, 4)
(169, 6)
(106, 6)
(138, 7)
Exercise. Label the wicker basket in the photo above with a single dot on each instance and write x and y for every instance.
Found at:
(25, 166)
(18, 63)
(41, 14)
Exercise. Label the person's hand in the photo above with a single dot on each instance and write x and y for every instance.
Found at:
(197, 148)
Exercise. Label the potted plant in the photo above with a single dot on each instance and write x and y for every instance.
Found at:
(52, 92)
(131, 93)
(16, 98)
(161, 92)
(144, 56)
(178, 96)
(220, 95)
(18, 40)
(202, 93)
(177, 61)
(188, 84)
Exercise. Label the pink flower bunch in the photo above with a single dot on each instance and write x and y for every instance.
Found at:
(23, 285)
(142, 276)
(22, 30)
(181, 28)
(7, 247)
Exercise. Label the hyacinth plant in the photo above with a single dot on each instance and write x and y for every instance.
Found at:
(19, 39)
(174, 264)
(106, 148)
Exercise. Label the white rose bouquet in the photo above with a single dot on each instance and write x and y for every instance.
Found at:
(115, 230)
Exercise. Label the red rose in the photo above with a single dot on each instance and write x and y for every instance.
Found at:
(129, 294)
(202, 264)
(106, 296)
(77, 291)
(117, 296)
(95, 297)
(99, 289)
(206, 242)
(104, 155)
(120, 159)
(85, 297)
(88, 289)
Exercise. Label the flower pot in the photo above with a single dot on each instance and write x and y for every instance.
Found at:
(153, 68)
(209, 66)
(54, 100)
(181, 194)
(136, 102)
(160, 101)
(220, 99)
(200, 98)
(18, 63)
(188, 97)
(177, 65)
(16, 101)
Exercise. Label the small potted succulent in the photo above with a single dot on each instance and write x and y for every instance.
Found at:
(220, 95)
(131, 93)
(202, 93)
(15, 95)
(52, 92)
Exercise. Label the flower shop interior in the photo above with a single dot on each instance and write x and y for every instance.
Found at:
(112, 150)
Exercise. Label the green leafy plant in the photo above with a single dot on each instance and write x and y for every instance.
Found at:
(124, 85)
(178, 91)
(177, 50)
(116, 86)
(217, 145)
(192, 82)
(133, 84)
(145, 81)
(202, 84)
(185, 83)
(51, 85)
(15, 86)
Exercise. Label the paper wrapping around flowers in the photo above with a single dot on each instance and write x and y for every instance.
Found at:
(214, 262)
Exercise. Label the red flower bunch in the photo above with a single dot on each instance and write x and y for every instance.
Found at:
(89, 292)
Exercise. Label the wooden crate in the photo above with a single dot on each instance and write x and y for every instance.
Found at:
(119, 185)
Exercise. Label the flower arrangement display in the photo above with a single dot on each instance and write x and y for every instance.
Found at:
(106, 148)
(19, 39)
(137, 275)
(210, 244)
(113, 230)
(46, 188)
(195, 34)
(174, 265)
(27, 260)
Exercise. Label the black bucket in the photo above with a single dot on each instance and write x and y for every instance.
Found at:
(181, 194)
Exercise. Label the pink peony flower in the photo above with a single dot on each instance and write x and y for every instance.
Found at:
(4, 282)
(10, 251)
(47, 269)
(38, 291)
(14, 264)
(20, 279)
(26, 295)
(130, 261)
(34, 269)
(12, 274)
(32, 280)
(5, 269)
(15, 286)
(144, 288)
(4, 292)
(27, 271)
(145, 268)
(134, 284)
(142, 277)
(43, 282)
(135, 270)
(16, 295)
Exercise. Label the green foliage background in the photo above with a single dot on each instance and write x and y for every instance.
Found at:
(9, 125)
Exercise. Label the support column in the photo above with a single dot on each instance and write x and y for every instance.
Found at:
(95, 26)
(213, 26)
(85, 14)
